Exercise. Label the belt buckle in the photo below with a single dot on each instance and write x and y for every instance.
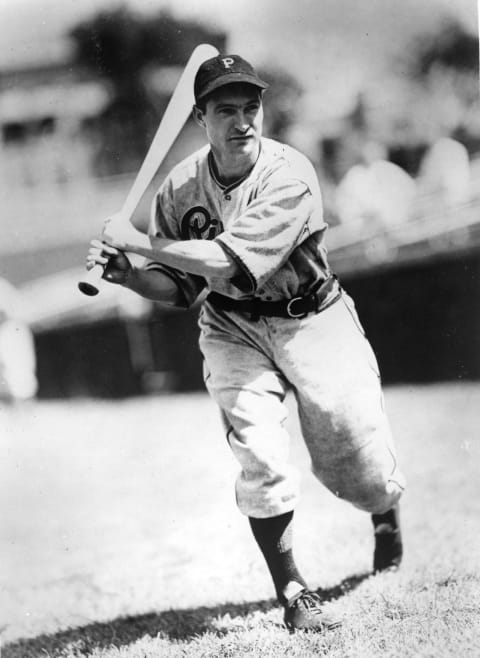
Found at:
(290, 313)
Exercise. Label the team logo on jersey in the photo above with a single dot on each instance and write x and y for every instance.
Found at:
(197, 224)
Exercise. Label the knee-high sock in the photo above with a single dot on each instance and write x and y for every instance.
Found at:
(275, 539)
(388, 551)
(390, 519)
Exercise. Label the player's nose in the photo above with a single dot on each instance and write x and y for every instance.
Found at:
(241, 121)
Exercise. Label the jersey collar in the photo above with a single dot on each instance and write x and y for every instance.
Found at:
(227, 188)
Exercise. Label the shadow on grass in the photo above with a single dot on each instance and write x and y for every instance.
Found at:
(180, 624)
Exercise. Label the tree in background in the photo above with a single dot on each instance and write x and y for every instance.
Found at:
(122, 46)
(446, 64)
(451, 48)
(441, 71)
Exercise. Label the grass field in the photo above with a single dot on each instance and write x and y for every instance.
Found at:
(120, 537)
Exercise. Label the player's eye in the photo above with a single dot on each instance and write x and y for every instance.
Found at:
(226, 111)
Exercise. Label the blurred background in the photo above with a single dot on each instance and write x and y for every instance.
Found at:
(382, 96)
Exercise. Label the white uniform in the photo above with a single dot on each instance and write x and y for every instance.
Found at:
(271, 224)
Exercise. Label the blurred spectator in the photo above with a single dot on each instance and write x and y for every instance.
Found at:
(444, 175)
(18, 380)
(374, 193)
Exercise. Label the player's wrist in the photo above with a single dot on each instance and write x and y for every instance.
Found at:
(128, 276)
(120, 277)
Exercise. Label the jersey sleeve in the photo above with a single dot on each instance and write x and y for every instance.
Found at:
(163, 224)
(263, 237)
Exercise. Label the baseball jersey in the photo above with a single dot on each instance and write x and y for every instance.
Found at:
(270, 222)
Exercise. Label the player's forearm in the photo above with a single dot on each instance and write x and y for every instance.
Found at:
(155, 286)
(202, 257)
(205, 258)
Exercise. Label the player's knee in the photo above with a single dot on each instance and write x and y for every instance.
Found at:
(382, 500)
(379, 496)
(373, 495)
(264, 495)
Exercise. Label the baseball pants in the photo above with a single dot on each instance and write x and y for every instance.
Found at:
(326, 360)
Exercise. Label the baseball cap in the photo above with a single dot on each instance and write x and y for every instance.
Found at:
(223, 70)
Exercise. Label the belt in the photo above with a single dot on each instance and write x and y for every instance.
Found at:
(296, 307)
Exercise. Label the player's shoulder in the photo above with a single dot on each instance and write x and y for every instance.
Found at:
(189, 168)
(286, 160)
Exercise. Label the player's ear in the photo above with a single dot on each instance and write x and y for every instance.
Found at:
(199, 116)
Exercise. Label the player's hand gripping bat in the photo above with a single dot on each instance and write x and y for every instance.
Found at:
(174, 117)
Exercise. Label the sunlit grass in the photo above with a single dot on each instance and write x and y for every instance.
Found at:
(121, 538)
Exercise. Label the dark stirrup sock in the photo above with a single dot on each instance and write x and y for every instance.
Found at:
(275, 539)
(388, 551)
(389, 518)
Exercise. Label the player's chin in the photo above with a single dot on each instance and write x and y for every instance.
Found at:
(243, 145)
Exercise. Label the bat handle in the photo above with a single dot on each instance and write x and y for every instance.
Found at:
(90, 283)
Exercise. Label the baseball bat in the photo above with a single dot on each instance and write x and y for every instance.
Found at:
(173, 120)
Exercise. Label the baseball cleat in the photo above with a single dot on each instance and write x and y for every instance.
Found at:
(303, 612)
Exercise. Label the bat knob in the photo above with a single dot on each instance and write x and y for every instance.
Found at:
(90, 284)
(88, 288)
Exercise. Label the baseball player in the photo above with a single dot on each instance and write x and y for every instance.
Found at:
(242, 218)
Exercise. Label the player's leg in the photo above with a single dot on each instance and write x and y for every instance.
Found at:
(274, 537)
(242, 378)
(341, 409)
(303, 609)
(250, 393)
(244, 382)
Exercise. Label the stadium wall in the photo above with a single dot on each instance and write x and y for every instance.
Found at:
(423, 321)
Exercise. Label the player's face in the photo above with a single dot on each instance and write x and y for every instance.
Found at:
(233, 119)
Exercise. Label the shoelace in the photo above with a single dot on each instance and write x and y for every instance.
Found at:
(310, 601)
